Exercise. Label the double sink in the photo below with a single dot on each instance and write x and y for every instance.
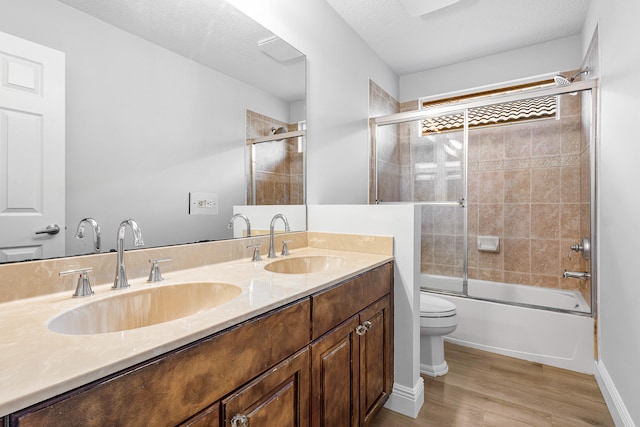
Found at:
(154, 305)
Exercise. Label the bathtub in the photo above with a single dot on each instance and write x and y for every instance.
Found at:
(563, 340)
(519, 294)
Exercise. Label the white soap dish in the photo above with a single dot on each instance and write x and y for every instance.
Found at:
(489, 244)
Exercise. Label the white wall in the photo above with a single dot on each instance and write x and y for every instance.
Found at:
(401, 222)
(619, 204)
(339, 67)
(545, 58)
(140, 116)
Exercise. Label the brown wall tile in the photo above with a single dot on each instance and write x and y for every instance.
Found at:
(517, 220)
(545, 185)
(545, 221)
(517, 186)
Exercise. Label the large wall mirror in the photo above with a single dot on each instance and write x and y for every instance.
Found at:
(157, 95)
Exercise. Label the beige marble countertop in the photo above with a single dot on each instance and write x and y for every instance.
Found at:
(37, 364)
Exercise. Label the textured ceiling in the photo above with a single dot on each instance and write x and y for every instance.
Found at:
(465, 30)
(211, 32)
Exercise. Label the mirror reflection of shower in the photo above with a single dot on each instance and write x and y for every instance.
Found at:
(278, 131)
(275, 163)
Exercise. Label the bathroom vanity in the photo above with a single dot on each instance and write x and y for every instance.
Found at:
(321, 356)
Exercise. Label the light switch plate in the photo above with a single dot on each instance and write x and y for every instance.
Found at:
(203, 204)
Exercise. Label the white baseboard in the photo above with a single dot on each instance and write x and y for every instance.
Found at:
(406, 400)
(616, 406)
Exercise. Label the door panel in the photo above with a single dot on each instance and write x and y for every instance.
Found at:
(32, 149)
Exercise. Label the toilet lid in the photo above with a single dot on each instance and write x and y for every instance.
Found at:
(435, 307)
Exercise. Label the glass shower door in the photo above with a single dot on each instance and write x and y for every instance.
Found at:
(423, 162)
(529, 201)
(506, 185)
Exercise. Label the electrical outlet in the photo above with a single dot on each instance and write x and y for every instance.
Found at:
(203, 204)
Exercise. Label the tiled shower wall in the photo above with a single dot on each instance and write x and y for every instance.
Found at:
(393, 154)
(528, 185)
(525, 188)
(389, 157)
(278, 166)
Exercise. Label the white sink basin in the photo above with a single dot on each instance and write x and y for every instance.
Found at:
(142, 308)
(305, 264)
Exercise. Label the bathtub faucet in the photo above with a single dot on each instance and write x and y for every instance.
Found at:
(582, 275)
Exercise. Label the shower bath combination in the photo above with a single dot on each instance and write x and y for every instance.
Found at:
(535, 199)
(518, 191)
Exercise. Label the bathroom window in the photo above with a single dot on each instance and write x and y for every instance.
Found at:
(511, 112)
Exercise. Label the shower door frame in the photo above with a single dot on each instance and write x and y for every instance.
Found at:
(464, 107)
(250, 155)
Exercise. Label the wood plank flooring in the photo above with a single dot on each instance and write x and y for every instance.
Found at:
(487, 389)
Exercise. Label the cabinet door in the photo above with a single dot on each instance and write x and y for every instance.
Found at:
(279, 397)
(376, 358)
(334, 377)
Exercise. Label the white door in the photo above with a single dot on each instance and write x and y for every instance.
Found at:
(32, 142)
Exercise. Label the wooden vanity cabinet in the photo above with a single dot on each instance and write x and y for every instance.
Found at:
(172, 388)
(326, 360)
(352, 363)
(352, 369)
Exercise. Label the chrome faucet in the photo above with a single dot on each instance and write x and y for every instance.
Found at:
(272, 250)
(96, 232)
(246, 219)
(120, 281)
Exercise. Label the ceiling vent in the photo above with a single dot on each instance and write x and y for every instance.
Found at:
(279, 49)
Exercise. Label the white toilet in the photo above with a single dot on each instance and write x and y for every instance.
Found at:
(437, 319)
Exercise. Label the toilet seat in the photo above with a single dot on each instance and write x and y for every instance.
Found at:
(434, 307)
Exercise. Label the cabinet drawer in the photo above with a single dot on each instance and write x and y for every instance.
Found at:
(171, 388)
(333, 306)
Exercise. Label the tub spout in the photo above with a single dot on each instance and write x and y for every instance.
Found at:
(582, 275)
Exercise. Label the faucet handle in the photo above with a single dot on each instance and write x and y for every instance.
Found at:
(83, 288)
(256, 252)
(285, 248)
(154, 274)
